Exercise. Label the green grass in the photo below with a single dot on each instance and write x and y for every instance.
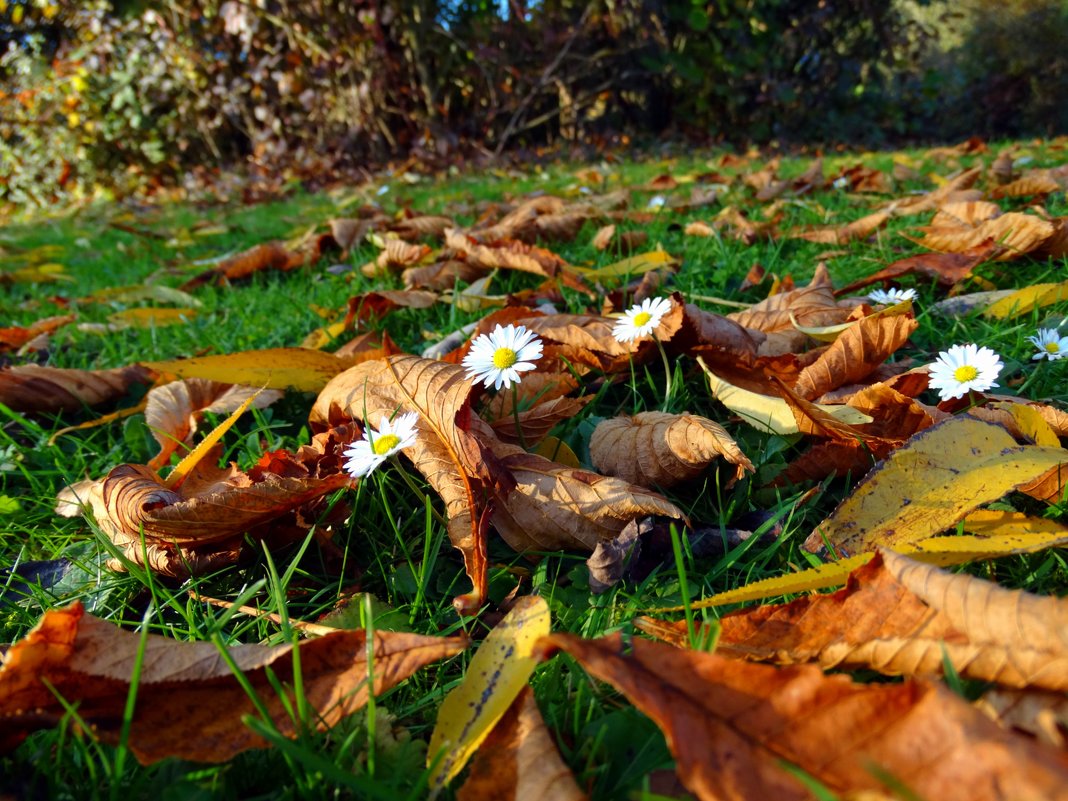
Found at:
(394, 548)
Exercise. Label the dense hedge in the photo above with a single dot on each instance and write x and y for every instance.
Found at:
(126, 93)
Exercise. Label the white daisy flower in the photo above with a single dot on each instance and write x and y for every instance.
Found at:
(365, 455)
(891, 297)
(641, 320)
(962, 369)
(1051, 345)
(500, 356)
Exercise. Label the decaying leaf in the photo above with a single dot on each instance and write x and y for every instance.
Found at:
(43, 390)
(534, 424)
(1017, 234)
(499, 671)
(453, 461)
(201, 527)
(899, 616)
(189, 703)
(945, 268)
(519, 761)
(555, 507)
(656, 448)
(930, 483)
(730, 725)
(173, 411)
(855, 354)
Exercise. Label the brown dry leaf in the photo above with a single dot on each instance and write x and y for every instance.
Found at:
(396, 254)
(200, 527)
(603, 238)
(841, 234)
(903, 617)
(453, 461)
(1035, 185)
(519, 761)
(189, 704)
(441, 275)
(656, 448)
(425, 226)
(946, 268)
(173, 411)
(731, 724)
(42, 390)
(375, 305)
(813, 305)
(268, 256)
(1042, 714)
(535, 388)
(536, 423)
(698, 228)
(16, 336)
(505, 254)
(855, 354)
(1017, 234)
(554, 507)
(966, 214)
(932, 200)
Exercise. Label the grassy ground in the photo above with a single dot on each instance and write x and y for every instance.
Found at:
(394, 549)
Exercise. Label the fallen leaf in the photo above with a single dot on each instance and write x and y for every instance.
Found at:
(497, 673)
(174, 410)
(303, 369)
(15, 337)
(1024, 301)
(1042, 714)
(453, 461)
(903, 617)
(933, 481)
(189, 703)
(633, 265)
(505, 254)
(534, 424)
(731, 724)
(770, 414)
(1017, 235)
(519, 761)
(555, 507)
(43, 390)
(656, 448)
(813, 305)
(855, 354)
(946, 268)
(840, 235)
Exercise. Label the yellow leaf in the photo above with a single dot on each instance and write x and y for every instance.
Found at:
(1010, 533)
(1031, 423)
(321, 337)
(499, 670)
(41, 274)
(931, 483)
(100, 421)
(634, 265)
(274, 368)
(139, 292)
(768, 414)
(1027, 299)
(557, 450)
(184, 467)
(149, 317)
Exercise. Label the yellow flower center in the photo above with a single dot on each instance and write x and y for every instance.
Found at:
(965, 373)
(503, 358)
(1053, 347)
(641, 318)
(385, 443)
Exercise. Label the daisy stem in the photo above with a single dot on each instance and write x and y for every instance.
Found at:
(667, 374)
(515, 416)
(417, 490)
(1031, 378)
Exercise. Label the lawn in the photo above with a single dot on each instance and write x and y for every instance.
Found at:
(388, 564)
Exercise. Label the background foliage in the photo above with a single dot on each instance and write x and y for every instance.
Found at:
(126, 93)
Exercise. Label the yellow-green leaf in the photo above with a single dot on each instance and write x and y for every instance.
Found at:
(556, 450)
(1027, 299)
(1031, 423)
(498, 671)
(1010, 533)
(768, 414)
(634, 265)
(931, 483)
(140, 292)
(274, 368)
(192, 459)
(150, 317)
